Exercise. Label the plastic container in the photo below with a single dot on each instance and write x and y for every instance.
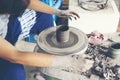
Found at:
(114, 50)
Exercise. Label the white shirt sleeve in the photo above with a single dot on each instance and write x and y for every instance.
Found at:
(3, 25)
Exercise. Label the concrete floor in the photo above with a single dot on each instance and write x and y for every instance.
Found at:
(65, 3)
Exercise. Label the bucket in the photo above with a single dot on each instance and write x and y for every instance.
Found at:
(114, 50)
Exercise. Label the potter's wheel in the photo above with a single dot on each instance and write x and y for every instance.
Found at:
(47, 42)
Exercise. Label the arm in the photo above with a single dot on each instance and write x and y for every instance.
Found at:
(9, 52)
(37, 5)
(41, 7)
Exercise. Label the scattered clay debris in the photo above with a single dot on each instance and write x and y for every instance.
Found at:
(103, 67)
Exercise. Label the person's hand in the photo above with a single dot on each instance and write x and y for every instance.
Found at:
(66, 14)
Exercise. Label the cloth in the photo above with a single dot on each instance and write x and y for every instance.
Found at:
(18, 28)
(96, 38)
(22, 27)
(3, 25)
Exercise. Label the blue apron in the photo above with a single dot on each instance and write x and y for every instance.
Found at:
(12, 71)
